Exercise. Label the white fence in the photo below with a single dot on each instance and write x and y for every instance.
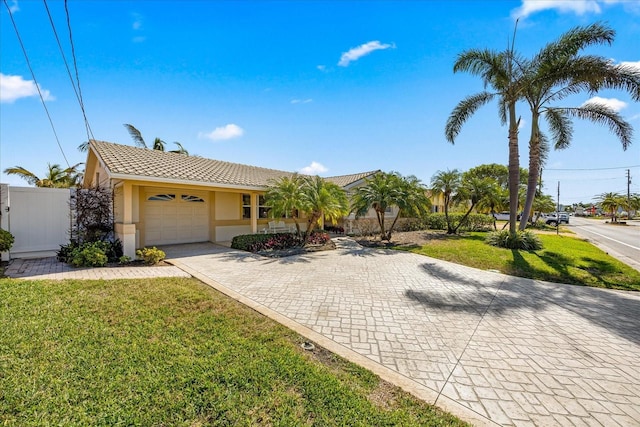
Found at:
(38, 218)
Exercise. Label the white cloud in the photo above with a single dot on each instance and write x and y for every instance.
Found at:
(634, 117)
(229, 131)
(613, 103)
(314, 168)
(14, 7)
(301, 101)
(15, 87)
(137, 21)
(579, 7)
(635, 65)
(364, 49)
(321, 67)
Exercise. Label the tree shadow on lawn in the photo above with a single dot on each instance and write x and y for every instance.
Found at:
(614, 311)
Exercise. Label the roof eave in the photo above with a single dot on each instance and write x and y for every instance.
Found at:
(162, 180)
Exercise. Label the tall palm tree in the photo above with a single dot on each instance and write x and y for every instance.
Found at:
(321, 198)
(501, 71)
(284, 196)
(448, 184)
(56, 177)
(386, 190)
(558, 71)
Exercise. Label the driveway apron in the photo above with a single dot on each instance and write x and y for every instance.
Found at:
(491, 348)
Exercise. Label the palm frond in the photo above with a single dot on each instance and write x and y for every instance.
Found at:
(600, 113)
(560, 126)
(463, 111)
(135, 135)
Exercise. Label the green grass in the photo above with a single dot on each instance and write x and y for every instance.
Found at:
(173, 352)
(563, 259)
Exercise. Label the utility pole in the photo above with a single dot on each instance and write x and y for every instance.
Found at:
(628, 194)
(558, 211)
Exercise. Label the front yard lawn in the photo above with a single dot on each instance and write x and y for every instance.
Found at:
(563, 259)
(173, 352)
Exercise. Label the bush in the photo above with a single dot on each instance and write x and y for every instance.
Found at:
(151, 256)
(71, 253)
(6, 240)
(525, 240)
(276, 241)
(319, 238)
(89, 255)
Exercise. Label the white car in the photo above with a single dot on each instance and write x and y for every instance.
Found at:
(503, 216)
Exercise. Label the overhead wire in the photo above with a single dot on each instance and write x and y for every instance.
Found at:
(76, 86)
(33, 76)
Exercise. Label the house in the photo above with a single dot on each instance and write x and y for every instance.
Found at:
(165, 198)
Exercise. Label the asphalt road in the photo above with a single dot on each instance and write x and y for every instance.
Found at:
(621, 242)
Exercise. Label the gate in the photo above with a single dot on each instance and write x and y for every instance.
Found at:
(38, 218)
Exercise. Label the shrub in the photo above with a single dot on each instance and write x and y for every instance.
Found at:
(89, 255)
(67, 253)
(318, 238)
(6, 240)
(124, 259)
(151, 256)
(525, 240)
(473, 222)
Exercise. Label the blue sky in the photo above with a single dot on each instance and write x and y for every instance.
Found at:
(326, 87)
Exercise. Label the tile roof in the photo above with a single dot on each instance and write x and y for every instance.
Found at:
(345, 180)
(125, 161)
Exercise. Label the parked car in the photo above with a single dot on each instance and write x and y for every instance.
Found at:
(557, 218)
(503, 216)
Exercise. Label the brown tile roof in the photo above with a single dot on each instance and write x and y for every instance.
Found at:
(125, 161)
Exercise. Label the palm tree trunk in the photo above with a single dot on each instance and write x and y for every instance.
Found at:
(534, 168)
(514, 168)
(455, 230)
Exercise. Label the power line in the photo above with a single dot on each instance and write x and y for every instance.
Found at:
(594, 169)
(75, 66)
(33, 76)
(64, 58)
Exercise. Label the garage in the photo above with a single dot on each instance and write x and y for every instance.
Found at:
(172, 217)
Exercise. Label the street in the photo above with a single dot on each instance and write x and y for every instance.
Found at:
(621, 242)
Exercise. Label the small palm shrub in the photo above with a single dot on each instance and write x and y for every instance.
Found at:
(6, 240)
(151, 256)
(525, 240)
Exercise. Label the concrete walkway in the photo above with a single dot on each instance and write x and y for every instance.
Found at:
(490, 348)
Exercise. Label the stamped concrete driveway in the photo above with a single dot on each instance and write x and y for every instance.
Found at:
(491, 348)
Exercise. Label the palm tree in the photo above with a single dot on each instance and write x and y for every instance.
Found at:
(158, 144)
(556, 72)
(611, 202)
(473, 190)
(321, 198)
(501, 71)
(448, 184)
(284, 196)
(386, 190)
(56, 177)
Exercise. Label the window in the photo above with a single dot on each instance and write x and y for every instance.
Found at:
(263, 209)
(187, 198)
(246, 206)
(163, 197)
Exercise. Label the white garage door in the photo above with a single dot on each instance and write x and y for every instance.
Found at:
(175, 217)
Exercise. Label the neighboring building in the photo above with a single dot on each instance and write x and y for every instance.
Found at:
(165, 198)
